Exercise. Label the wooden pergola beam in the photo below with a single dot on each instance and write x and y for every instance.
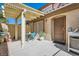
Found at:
(38, 19)
(16, 10)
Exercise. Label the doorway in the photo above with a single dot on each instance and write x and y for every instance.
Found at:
(60, 29)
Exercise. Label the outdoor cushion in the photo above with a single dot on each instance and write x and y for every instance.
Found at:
(2, 33)
(33, 34)
(42, 34)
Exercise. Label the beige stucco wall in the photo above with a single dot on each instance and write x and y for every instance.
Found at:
(72, 19)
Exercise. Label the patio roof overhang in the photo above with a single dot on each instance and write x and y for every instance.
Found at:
(14, 10)
(67, 8)
(64, 9)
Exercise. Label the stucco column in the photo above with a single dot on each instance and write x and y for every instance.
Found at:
(48, 28)
(23, 26)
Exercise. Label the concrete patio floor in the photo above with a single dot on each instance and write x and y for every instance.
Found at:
(35, 48)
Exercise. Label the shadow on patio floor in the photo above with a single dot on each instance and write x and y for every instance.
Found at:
(64, 48)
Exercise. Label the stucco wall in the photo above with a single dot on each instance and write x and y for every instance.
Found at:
(72, 20)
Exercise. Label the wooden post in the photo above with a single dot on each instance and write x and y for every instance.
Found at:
(23, 26)
(16, 30)
(16, 26)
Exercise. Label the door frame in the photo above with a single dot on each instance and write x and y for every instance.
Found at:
(53, 38)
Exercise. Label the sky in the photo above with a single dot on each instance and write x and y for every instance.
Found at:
(33, 5)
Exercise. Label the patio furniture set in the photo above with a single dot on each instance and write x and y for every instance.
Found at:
(33, 35)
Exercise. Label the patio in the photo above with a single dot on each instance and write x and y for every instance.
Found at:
(36, 48)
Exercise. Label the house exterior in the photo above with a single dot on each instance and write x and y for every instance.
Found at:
(59, 17)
